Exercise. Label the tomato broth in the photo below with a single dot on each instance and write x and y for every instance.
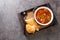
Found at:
(43, 16)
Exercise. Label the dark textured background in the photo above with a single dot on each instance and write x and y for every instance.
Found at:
(11, 28)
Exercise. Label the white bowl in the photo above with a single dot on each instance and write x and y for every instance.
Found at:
(49, 21)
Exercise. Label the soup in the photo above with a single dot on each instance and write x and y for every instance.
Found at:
(43, 15)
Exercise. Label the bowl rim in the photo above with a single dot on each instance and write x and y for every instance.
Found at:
(50, 12)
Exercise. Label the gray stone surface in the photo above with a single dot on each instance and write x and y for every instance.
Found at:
(11, 28)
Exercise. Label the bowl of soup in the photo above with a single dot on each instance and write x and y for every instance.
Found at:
(43, 16)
